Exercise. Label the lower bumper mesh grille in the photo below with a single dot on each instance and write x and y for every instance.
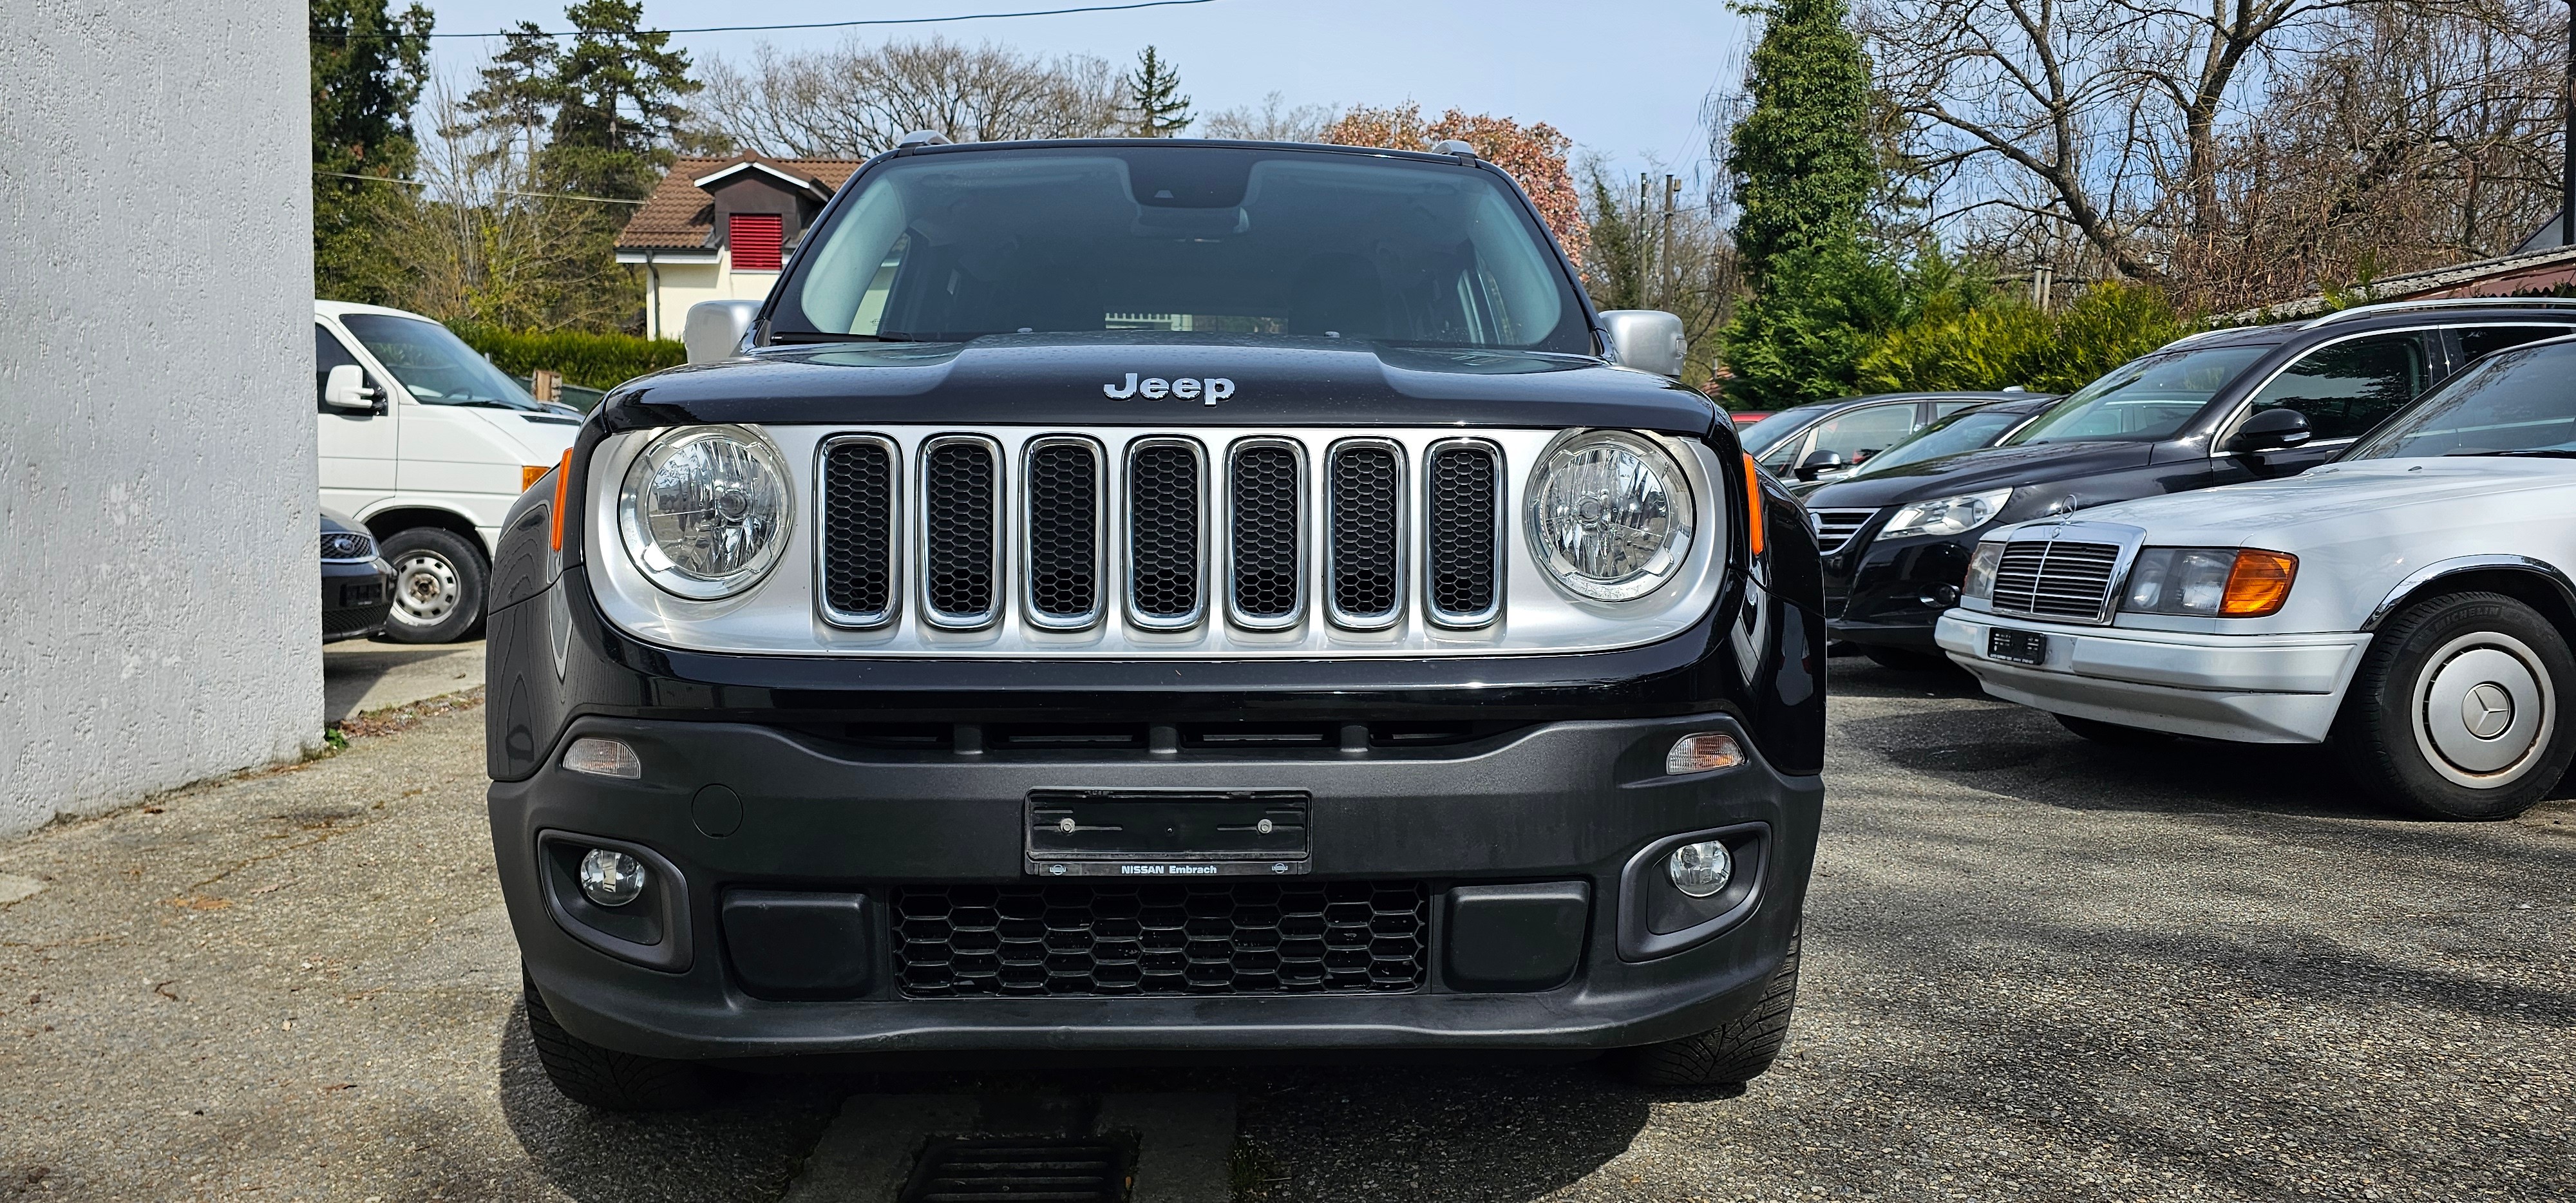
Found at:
(1161, 938)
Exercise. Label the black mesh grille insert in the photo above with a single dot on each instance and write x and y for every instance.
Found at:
(1163, 530)
(1160, 937)
(858, 529)
(1461, 531)
(1364, 482)
(1265, 531)
(1063, 490)
(957, 498)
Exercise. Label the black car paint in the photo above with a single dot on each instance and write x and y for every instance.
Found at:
(557, 666)
(356, 594)
(1891, 592)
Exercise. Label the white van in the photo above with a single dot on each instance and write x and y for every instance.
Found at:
(427, 444)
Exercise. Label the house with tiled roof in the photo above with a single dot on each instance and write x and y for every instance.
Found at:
(718, 229)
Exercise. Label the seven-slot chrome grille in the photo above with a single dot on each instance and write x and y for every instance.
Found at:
(1242, 512)
(1835, 528)
(2060, 578)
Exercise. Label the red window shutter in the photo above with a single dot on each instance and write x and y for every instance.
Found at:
(755, 239)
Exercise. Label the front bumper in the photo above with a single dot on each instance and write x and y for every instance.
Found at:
(1572, 809)
(356, 595)
(1889, 593)
(2248, 688)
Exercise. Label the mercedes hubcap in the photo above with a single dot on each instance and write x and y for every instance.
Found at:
(2483, 712)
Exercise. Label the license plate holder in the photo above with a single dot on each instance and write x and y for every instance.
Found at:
(2017, 646)
(1166, 833)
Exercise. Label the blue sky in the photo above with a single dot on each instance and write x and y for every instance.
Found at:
(1621, 77)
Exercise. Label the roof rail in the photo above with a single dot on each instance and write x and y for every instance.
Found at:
(1454, 146)
(2444, 303)
(921, 137)
(2188, 339)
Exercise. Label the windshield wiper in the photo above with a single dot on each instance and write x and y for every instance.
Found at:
(784, 337)
(2533, 452)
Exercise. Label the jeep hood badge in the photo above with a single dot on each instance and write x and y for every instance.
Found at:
(1155, 388)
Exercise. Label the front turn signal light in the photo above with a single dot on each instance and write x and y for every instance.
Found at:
(530, 474)
(2259, 584)
(1704, 752)
(1752, 506)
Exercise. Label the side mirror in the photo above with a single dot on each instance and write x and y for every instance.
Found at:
(346, 388)
(715, 329)
(2270, 430)
(1649, 340)
(1817, 464)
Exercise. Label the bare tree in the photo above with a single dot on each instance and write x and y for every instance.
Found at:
(856, 99)
(1274, 120)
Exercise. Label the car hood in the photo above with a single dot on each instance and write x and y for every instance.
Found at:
(1073, 379)
(1975, 471)
(2335, 501)
(541, 437)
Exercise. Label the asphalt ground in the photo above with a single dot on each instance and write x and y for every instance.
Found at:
(2036, 968)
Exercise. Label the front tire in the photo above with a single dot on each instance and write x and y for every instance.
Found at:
(439, 585)
(605, 1078)
(2459, 709)
(1731, 1055)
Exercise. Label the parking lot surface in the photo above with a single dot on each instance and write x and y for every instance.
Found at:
(2035, 968)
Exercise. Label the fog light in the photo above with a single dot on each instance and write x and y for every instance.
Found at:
(1699, 870)
(614, 878)
(1702, 752)
(603, 758)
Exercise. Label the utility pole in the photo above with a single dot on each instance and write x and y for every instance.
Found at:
(1672, 192)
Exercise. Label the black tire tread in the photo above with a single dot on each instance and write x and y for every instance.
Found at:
(2370, 744)
(605, 1078)
(1733, 1054)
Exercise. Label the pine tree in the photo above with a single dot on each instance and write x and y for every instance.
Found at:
(618, 92)
(1804, 171)
(1154, 96)
(368, 65)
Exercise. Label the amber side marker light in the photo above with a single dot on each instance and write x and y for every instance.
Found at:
(563, 473)
(530, 474)
(1753, 505)
(2259, 584)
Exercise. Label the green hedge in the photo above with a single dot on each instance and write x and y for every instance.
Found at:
(1996, 345)
(589, 360)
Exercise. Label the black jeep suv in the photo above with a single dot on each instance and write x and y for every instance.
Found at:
(2213, 409)
(1157, 595)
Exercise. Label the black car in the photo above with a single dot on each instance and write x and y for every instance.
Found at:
(2212, 409)
(357, 584)
(1971, 429)
(1157, 595)
(1832, 436)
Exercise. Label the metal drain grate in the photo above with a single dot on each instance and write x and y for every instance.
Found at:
(954, 1170)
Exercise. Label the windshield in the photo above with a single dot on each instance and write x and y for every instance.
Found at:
(2143, 400)
(1967, 430)
(1759, 437)
(2510, 403)
(946, 247)
(435, 366)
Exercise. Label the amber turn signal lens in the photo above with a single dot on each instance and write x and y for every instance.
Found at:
(1753, 506)
(530, 474)
(2259, 584)
(563, 474)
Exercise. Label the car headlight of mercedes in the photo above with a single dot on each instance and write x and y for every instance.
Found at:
(705, 511)
(1946, 515)
(2220, 582)
(1610, 515)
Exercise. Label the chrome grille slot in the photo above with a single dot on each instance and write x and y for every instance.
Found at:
(1835, 528)
(2060, 579)
(857, 548)
(1364, 542)
(1462, 516)
(1061, 492)
(961, 531)
(1166, 533)
(1265, 543)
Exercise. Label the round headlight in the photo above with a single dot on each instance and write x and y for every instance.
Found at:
(1611, 515)
(705, 511)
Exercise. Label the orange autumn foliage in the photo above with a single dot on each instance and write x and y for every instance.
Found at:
(1534, 154)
